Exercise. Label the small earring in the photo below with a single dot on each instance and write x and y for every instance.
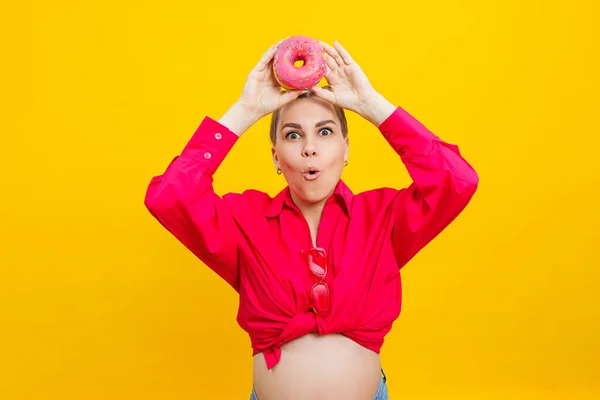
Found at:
(278, 171)
(345, 163)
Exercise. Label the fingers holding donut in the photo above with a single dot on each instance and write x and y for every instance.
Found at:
(331, 64)
(324, 94)
(333, 53)
(288, 96)
(267, 57)
(345, 55)
(350, 87)
(262, 93)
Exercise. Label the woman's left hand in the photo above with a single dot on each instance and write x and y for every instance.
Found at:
(351, 87)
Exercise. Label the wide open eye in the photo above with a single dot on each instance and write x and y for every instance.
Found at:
(292, 135)
(325, 132)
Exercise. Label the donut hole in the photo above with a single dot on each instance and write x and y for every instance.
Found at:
(298, 63)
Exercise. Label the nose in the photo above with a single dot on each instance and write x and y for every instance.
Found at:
(309, 149)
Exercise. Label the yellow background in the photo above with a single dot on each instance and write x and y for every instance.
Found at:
(99, 302)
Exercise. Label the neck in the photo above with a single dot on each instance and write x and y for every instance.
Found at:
(311, 211)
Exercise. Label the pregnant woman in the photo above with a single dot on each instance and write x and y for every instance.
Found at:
(316, 267)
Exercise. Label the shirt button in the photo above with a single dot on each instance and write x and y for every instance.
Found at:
(207, 155)
(218, 136)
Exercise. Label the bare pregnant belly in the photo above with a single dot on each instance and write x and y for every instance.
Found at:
(315, 367)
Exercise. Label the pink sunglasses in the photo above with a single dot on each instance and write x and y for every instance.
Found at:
(317, 262)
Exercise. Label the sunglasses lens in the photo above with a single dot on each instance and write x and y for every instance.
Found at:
(320, 292)
(316, 268)
(317, 262)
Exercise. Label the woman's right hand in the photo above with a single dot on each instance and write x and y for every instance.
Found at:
(262, 93)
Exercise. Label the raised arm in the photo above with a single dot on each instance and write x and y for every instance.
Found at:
(443, 181)
(182, 198)
(443, 184)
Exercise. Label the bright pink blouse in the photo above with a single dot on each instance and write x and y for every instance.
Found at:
(255, 242)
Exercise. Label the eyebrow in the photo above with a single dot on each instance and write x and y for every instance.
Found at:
(298, 126)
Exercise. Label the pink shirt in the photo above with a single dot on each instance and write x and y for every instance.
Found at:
(255, 242)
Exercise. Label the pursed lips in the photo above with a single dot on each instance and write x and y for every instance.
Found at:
(311, 174)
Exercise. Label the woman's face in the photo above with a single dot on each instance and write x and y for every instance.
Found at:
(309, 138)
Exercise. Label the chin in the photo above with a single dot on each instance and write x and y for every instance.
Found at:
(315, 193)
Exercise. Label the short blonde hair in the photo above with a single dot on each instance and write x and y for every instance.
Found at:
(339, 111)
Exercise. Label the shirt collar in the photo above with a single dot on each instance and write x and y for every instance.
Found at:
(341, 192)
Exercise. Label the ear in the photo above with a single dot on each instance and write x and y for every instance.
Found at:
(275, 157)
(347, 148)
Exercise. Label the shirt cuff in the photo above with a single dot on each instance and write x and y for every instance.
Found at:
(210, 144)
(406, 134)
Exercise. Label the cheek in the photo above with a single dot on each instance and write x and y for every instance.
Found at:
(336, 158)
(287, 158)
(285, 161)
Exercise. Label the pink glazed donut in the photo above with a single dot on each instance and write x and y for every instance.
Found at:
(299, 48)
